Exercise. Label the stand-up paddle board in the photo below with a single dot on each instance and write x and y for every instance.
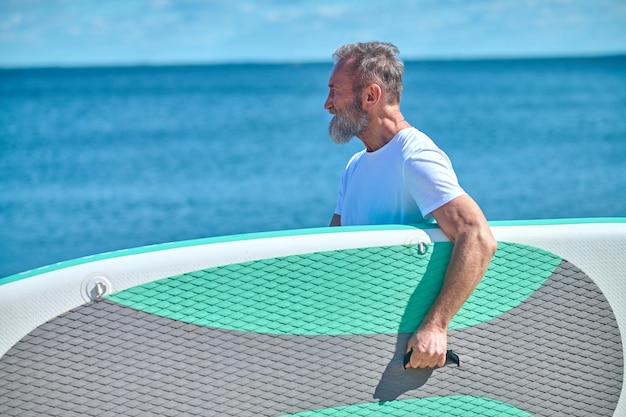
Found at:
(315, 323)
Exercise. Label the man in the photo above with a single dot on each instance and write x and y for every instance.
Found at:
(402, 177)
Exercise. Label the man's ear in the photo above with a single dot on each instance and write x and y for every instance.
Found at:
(371, 96)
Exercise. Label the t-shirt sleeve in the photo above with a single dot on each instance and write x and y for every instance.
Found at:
(343, 184)
(431, 180)
(339, 204)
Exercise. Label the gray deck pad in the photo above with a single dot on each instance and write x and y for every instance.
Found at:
(558, 353)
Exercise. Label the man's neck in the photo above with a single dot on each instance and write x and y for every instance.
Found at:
(380, 130)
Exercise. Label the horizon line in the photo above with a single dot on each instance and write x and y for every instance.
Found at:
(312, 61)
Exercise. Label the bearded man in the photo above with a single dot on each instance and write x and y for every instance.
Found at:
(402, 177)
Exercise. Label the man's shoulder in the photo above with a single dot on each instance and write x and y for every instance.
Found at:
(414, 140)
(412, 133)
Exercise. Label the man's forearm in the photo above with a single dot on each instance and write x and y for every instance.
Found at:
(468, 263)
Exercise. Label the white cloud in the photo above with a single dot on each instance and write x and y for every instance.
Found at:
(11, 21)
(331, 11)
(160, 4)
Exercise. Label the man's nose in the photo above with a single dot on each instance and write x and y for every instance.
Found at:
(328, 104)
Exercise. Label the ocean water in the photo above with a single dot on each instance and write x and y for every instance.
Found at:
(99, 159)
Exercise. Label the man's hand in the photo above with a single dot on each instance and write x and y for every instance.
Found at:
(428, 346)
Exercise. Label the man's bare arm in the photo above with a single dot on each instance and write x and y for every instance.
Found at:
(463, 222)
(336, 221)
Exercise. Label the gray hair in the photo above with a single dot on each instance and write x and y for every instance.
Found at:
(374, 62)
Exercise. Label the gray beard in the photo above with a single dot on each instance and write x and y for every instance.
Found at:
(347, 124)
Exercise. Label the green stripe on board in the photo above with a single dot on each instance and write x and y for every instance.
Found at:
(378, 290)
(453, 406)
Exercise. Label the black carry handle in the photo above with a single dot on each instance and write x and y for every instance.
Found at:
(451, 357)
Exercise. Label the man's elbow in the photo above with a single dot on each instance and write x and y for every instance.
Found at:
(478, 235)
(487, 241)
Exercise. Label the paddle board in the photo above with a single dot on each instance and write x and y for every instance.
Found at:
(315, 323)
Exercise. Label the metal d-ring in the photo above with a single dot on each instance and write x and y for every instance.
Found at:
(422, 248)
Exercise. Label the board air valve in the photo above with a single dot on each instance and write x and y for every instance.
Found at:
(95, 287)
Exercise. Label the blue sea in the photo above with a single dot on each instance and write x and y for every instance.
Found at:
(99, 159)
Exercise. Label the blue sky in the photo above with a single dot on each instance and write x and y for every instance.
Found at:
(109, 32)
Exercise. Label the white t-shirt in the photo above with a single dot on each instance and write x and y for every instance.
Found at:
(400, 183)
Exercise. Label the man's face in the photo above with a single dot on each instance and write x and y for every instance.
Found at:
(349, 120)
